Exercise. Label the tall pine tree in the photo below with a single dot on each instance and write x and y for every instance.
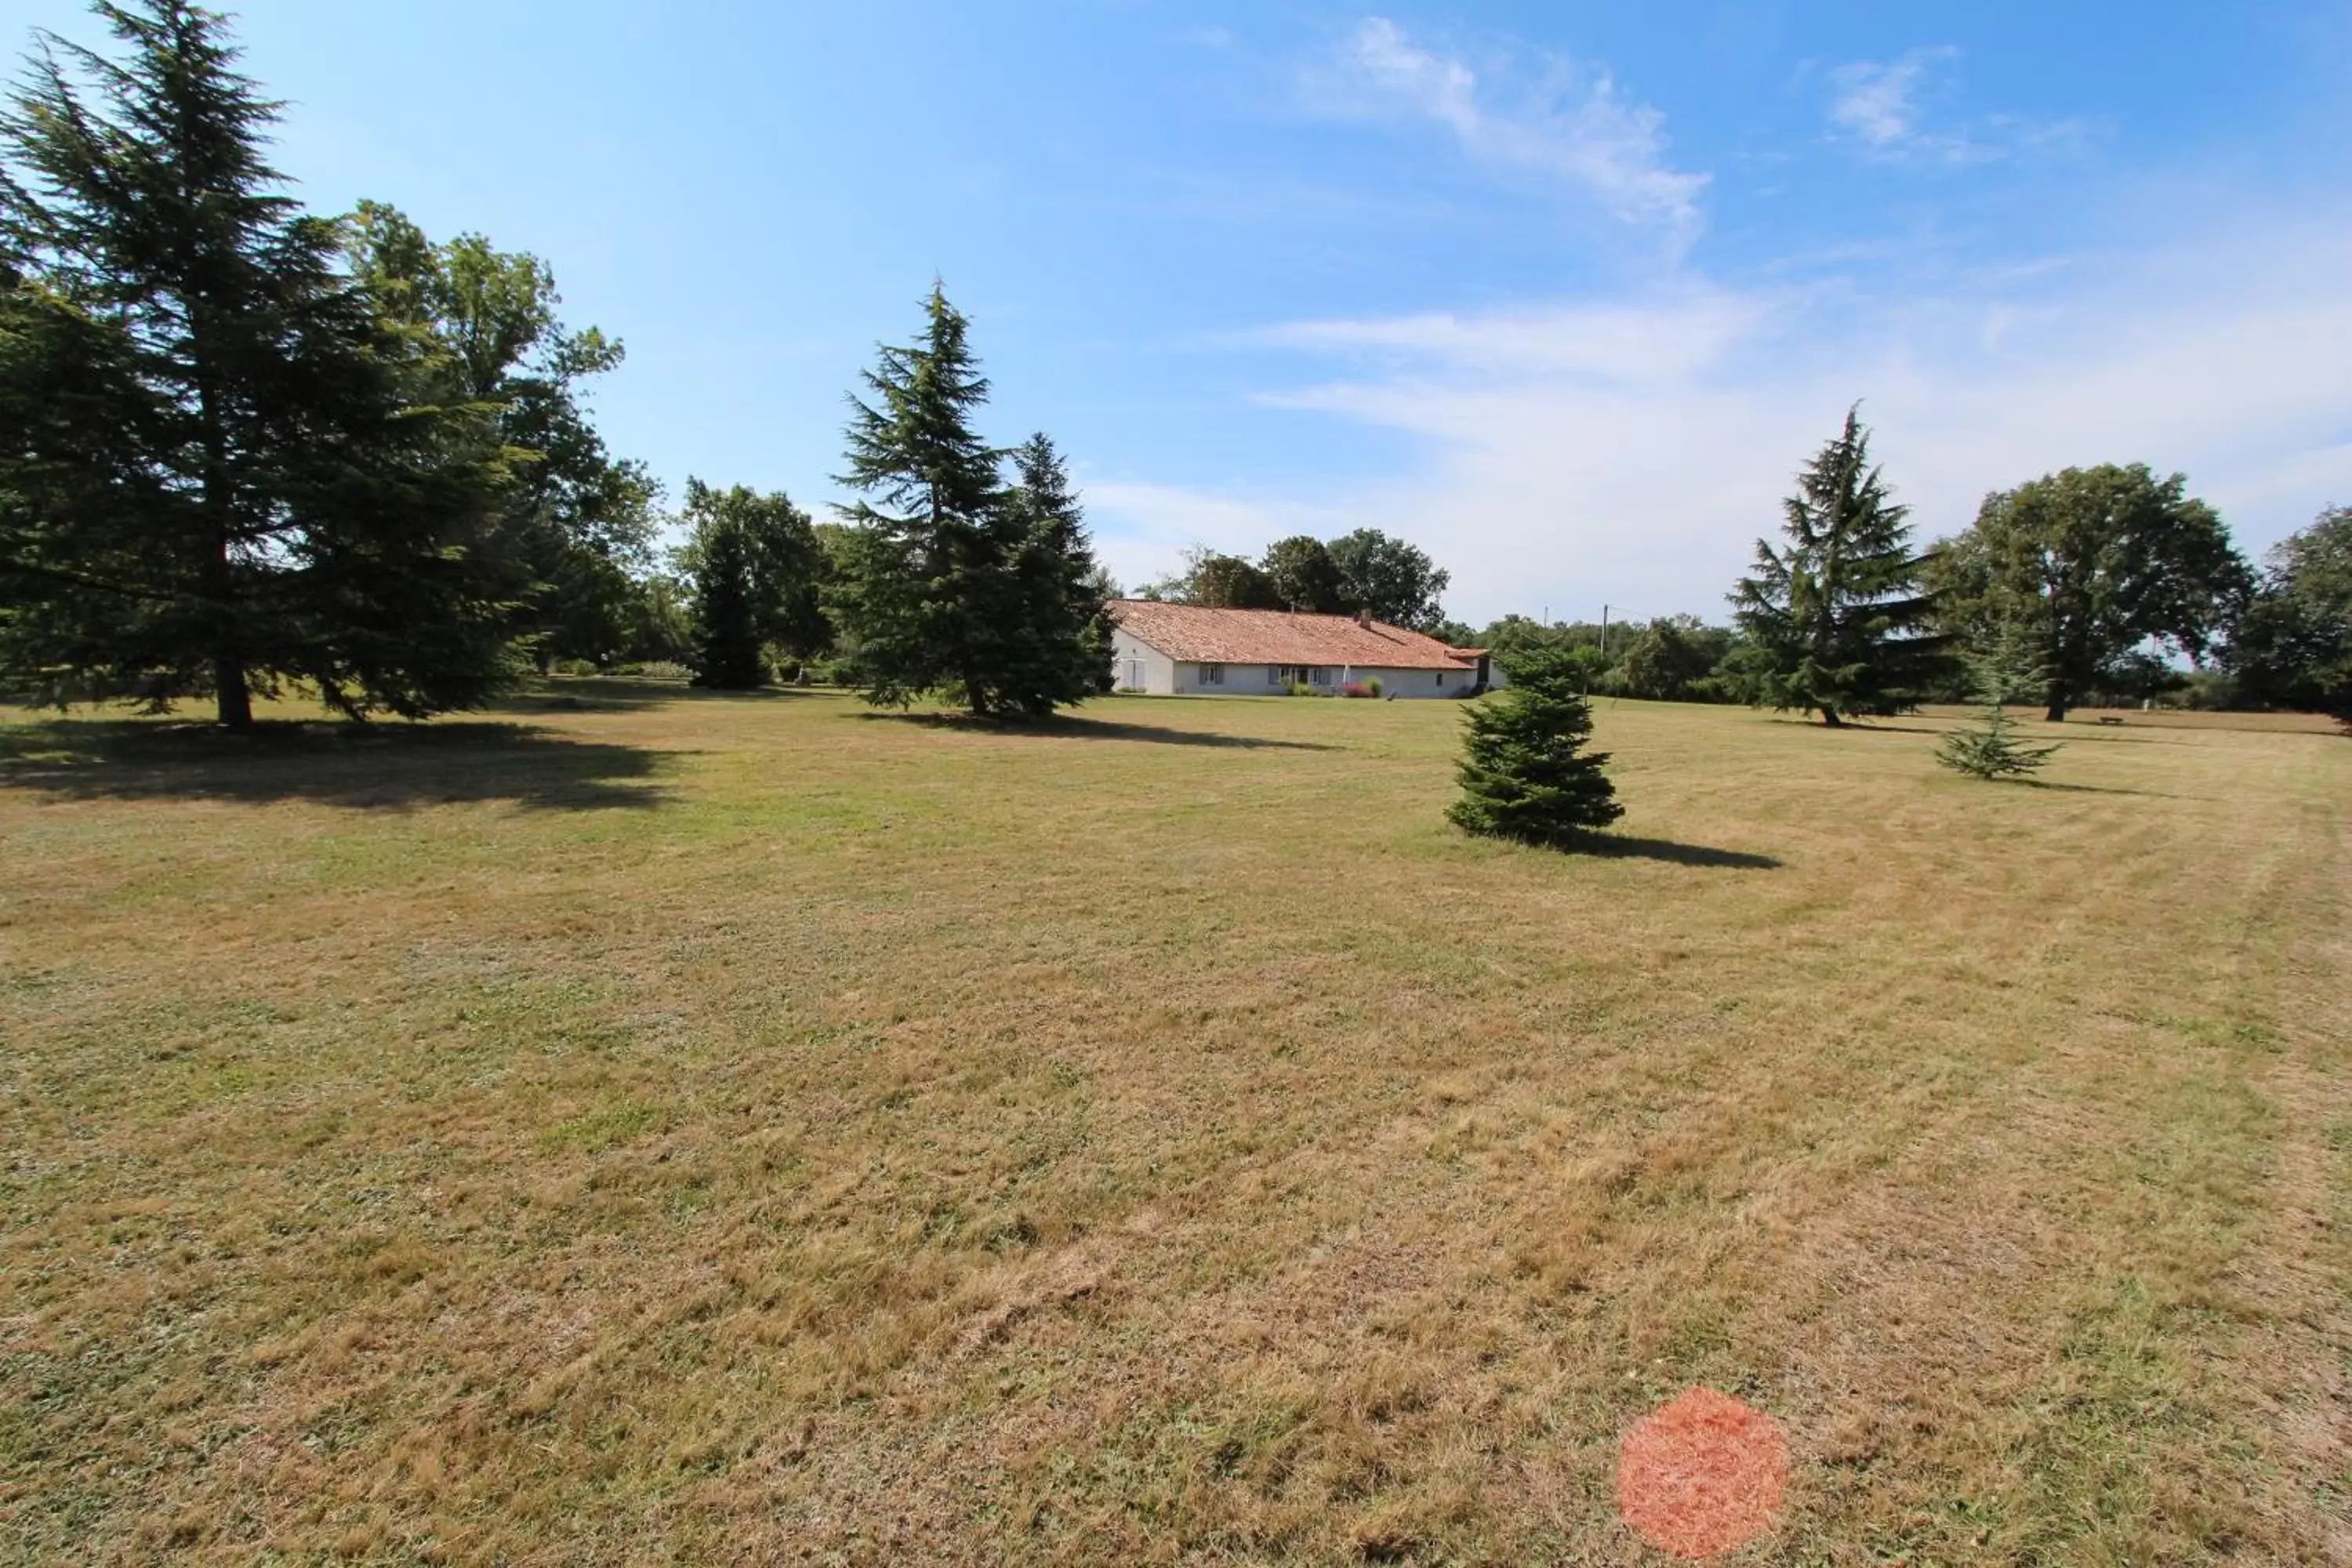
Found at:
(1525, 772)
(237, 472)
(1064, 656)
(948, 582)
(727, 654)
(1833, 614)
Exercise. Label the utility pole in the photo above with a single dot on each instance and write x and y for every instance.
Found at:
(1604, 631)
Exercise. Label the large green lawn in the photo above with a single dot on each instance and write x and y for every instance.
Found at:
(640, 1126)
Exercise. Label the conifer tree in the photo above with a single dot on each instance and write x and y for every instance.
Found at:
(1525, 772)
(948, 582)
(924, 587)
(1833, 616)
(1064, 656)
(2002, 671)
(225, 468)
(726, 620)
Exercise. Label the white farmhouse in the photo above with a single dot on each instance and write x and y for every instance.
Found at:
(1168, 649)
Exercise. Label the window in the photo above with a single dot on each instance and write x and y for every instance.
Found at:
(1212, 675)
(1441, 680)
(1319, 675)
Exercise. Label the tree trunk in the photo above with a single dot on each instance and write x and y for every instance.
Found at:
(2057, 713)
(236, 700)
(1830, 717)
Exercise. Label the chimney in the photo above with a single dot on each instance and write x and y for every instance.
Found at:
(1364, 617)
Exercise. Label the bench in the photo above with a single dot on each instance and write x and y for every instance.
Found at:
(2109, 719)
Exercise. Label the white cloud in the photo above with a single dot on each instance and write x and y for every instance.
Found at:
(1876, 101)
(1141, 531)
(1575, 127)
(1877, 105)
(1657, 337)
(1570, 467)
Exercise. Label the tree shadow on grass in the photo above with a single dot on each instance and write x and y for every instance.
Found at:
(617, 693)
(1618, 845)
(2095, 789)
(390, 766)
(1073, 729)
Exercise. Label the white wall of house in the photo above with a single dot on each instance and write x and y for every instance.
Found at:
(1227, 679)
(1137, 665)
(1420, 682)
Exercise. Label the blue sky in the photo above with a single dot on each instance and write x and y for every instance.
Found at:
(1561, 292)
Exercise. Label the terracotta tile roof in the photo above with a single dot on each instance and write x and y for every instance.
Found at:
(1188, 632)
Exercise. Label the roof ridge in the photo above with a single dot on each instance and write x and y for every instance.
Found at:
(1219, 634)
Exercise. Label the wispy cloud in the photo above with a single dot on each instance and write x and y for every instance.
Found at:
(1658, 336)
(1879, 107)
(1573, 124)
(1878, 102)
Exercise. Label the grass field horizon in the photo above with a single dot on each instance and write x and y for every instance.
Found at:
(636, 1124)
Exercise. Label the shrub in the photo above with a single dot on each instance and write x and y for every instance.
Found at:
(657, 670)
(1300, 689)
(575, 666)
(1361, 689)
(1373, 686)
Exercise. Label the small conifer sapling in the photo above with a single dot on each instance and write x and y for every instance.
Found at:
(1989, 747)
(1525, 771)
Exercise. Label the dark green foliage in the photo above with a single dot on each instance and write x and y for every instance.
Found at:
(1514, 636)
(1365, 572)
(1218, 582)
(660, 621)
(1301, 575)
(1674, 658)
(2293, 643)
(575, 533)
(727, 652)
(1668, 659)
(953, 583)
(1230, 583)
(1833, 616)
(1065, 653)
(759, 575)
(2003, 671)
(222, 468)
(2095, 562)
(1525, 772)
(1389, 579)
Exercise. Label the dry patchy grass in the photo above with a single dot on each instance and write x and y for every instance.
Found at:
(655, 1127)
